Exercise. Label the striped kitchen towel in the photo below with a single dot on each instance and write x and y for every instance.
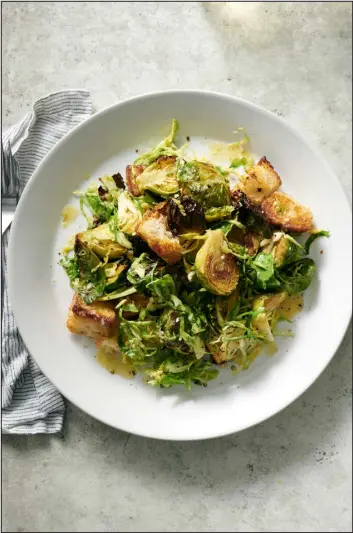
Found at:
(30, 403)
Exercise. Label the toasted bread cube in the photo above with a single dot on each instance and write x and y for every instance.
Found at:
(132, 171)
(260, 181)
(94, 320)
(282, 211)
(218, 354)
(154, 229)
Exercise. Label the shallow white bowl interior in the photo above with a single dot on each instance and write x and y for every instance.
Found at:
(40, 292)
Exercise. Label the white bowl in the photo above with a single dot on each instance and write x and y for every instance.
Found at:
(40, 292)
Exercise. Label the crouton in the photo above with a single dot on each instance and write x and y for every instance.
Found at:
(282, 211)
(260, 181)
(94, 320)
(219, 354)
(154, 229)
(132, 171)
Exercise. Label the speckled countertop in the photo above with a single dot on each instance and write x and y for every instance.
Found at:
(291, 473)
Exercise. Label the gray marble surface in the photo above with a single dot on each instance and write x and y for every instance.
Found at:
(291, 473)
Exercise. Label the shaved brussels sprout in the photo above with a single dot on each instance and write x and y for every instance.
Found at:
(113, 273)
(283, 248)
(266, 307)
(218, 271)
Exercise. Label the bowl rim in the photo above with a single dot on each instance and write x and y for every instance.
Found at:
(155, 94)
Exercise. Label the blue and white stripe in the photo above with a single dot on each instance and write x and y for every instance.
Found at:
(30, 403)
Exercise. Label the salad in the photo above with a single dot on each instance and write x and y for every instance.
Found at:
(179, 272)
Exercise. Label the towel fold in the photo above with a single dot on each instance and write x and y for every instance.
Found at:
(30, 403)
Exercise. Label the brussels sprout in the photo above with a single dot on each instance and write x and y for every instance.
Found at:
(204, 183)
(218, 213)
(101, 241)
(113, 273)
(283, 248)
(90, 284)
(128, 213)
(218, 271)
(266, 307)
(160, 177)
(185, 216)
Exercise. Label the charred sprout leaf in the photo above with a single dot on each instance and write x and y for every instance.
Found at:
(313, 238)
(119, 180)
(185, 216)
(218, 213)
(102, 193)
(204, 183)
(297, 276)
(249, 215)
(160, 177)
(217, 270)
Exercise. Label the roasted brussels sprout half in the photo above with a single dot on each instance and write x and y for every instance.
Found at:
(217, 270)
(204, 183)
(185, 216)
(128, 213)
(160, 177)
(101, 241)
